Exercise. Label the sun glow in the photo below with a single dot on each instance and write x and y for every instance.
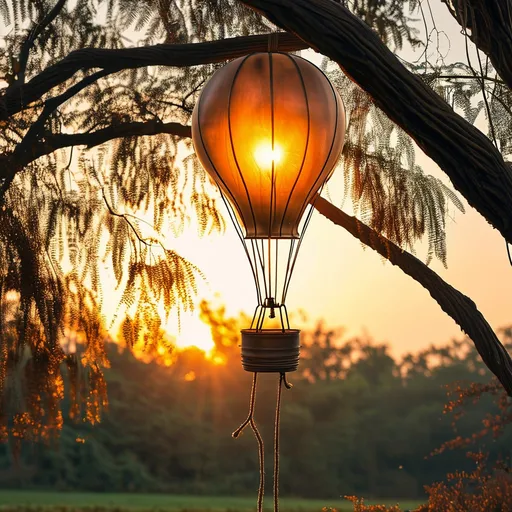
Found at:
(265, 155)
(195, 333)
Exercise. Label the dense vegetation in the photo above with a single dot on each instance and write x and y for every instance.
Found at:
(357, 421)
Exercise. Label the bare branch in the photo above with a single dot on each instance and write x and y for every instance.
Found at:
(457, 305)
(32, 37)
(490, 26)
(19, 96)
(52, 142)
(15, 162)
(22, 155)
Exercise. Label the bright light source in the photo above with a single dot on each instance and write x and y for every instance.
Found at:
(265, 155)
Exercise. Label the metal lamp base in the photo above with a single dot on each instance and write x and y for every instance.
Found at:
(270, 350)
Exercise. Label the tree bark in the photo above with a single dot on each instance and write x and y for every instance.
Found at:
(489, 26)
(460, 307)
(475, 167)
(18, 96)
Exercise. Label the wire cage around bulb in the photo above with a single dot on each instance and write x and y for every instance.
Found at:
(269, 129)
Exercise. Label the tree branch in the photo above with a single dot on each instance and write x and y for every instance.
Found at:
(475, 167)
(19, 96)
(490, 28)
(53, 142)
(461, 308)
(33, 35)
(15, 162)
(22, 155)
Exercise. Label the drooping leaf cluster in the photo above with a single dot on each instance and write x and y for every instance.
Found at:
(389, 191)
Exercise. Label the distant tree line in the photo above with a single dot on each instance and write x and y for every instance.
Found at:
(357, 421)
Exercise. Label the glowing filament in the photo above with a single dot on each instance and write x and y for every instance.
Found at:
(265, 155)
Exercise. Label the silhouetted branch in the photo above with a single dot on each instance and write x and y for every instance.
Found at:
(489, 26)
(53, 142)
(461, 308)
(19, 96)
(32, 36)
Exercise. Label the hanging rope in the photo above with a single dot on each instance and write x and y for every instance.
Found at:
(259, 439)
(250, 421)
(282, 380)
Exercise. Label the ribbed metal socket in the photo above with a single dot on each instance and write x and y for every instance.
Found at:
(270, 350)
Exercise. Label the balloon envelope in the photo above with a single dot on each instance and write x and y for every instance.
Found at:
(269, 129)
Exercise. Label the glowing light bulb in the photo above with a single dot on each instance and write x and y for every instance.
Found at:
(265, 155)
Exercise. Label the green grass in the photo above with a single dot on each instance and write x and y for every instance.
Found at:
(20, 500)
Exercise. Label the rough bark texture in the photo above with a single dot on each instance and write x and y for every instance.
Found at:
(461, 308)
(18, 96)
(489, 25)
(474, 165)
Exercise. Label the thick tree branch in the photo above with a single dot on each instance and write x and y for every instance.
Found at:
(16, 98)
(474, 165)
(461, 308)
(489, 26)
(15, 162)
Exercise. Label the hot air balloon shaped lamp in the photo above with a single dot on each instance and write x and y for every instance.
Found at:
(269, 129)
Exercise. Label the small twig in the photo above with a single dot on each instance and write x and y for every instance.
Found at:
(31, 39)
(148, 242)
(470, 77)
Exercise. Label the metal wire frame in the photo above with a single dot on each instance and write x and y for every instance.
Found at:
(271, 287)
(263, 259)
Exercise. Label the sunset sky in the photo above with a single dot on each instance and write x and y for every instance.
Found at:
(336, 280)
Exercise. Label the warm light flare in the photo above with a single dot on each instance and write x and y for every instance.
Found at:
(265, 155)
(195, 333)
(218, 359)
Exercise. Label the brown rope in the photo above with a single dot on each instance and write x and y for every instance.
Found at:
(282, 380)
(276, 444)
(259, 439)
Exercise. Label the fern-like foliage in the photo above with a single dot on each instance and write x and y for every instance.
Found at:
(69, 214)
(389, 191)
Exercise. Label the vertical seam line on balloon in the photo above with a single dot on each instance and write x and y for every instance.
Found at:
(232, 143)
(332, 141)
(210, 158)
(312, 188)
(307, 142)
(272, 175)
(237, 229)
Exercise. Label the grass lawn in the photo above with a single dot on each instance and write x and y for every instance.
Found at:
(19, 500)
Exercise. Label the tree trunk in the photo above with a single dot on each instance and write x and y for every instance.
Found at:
(461, 308)
(475, 167)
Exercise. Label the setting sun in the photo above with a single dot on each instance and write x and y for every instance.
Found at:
(194, 333)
